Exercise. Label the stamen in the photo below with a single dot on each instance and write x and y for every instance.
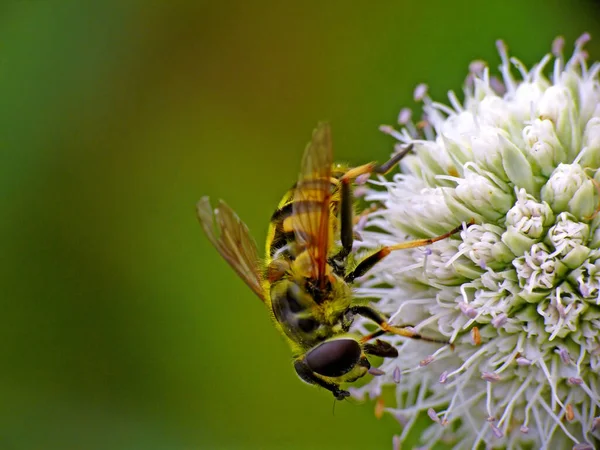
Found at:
(397, 375)
(443, 377)
(433, 415)
(557, 46)
(379, 408)
(475, 336)
(496, 431)
(522, 361)
(404, 116)
(420, 92)
(387, 129)
(490, 376)
(428, 360)
(583, 446)
(569, 414)
(564, 356)
(499, 320)
(595, 424)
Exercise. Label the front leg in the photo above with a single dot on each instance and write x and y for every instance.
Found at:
(372, 314)
(310, 377)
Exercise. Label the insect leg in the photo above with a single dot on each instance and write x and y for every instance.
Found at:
(346, 224)
(372, 314)
(346, 219)
(366, 264)
(306, 374)
(381, 348)
(372, 167)
(389, 165)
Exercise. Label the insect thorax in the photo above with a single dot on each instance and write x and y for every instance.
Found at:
(306, 319)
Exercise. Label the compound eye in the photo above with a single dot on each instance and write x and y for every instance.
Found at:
(334, 358)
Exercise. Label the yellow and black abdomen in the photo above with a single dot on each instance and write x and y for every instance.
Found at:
(281, 238)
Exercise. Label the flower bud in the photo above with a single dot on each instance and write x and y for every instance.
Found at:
(486, 195)
(570, 189)
(557, 105)
(543, 146)
(591, 144)
(568, 237)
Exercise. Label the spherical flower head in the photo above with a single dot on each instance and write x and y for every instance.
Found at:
(518, 292)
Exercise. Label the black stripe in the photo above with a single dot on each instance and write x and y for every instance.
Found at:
(286, 210)
(280, 239)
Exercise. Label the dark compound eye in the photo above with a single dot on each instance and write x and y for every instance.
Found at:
(334, 358)
(307, 325)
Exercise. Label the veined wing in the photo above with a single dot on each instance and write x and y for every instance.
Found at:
(233, 241)
(312, 200)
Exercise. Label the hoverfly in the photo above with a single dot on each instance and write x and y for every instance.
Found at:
(304, 280)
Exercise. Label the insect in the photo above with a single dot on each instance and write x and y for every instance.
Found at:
(304, 280)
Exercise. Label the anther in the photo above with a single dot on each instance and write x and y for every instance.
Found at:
(490, 376)
(404, 116)
(557, 46)
(475, 336)
(420, 92)
(443, 377)
(426, 361)
(376, 372)
(433, 415)
(497, 432)
(521, 361)
(499, 320)
(397, 375)
(569, 414)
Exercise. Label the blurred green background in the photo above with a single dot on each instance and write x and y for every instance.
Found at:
(121, 327)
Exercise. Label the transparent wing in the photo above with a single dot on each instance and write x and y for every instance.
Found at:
(232, 239)
(312, 199)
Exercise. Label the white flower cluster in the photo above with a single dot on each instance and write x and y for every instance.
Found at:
(518, 293)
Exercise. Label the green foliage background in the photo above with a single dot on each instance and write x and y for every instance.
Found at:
(121, 328)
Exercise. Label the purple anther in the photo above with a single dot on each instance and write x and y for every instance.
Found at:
(497, 432)
(477, 66)
(524, 429)
(420, 92)
(575, 381)
(583, 446)
(467, 310)
(492, 377)
(502, 48)
(564, 355)
(521, 361)
(583, 39)
(426, 361)
(558, 45)
(376, 372)
(362, 179)
(499, 320)
(443, 377)
(497, 85)
(433, 415)
(397, 375)
(387, 129)
(360, 192)
(404, 116)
